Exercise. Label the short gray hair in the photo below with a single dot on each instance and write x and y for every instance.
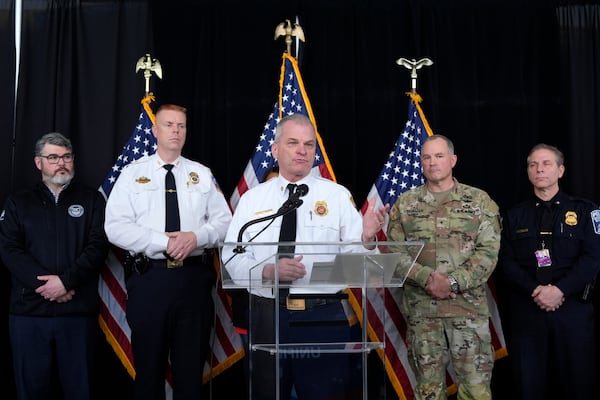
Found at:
(54, 138)
(446, 139)
(560, 157)
(300, 119)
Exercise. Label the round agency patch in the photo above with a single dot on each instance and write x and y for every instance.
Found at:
(76, 210)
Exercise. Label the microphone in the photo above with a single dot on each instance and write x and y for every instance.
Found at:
(301, 190)
(291, 204)
(294, 200)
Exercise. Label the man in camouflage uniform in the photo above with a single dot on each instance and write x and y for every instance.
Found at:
(445, 298)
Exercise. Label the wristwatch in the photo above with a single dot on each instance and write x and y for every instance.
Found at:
(454, 288)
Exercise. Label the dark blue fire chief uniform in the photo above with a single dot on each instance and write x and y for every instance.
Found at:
(552, 352)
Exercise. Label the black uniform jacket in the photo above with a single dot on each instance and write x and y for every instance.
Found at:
(574, 245)
(39, 236)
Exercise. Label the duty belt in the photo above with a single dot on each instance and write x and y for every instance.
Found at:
(194, 261)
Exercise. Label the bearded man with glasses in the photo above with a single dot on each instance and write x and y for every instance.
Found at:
(53, 243)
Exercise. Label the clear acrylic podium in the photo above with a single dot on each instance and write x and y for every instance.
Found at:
(345, 273)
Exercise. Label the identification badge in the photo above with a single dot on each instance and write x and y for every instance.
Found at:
(543, 258)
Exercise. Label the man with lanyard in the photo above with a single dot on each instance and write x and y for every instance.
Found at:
(549, 255)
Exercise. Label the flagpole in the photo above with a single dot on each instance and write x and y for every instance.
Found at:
(149, 65)
(414, 65)
(18, 23)
(298, 56)
(287, 30)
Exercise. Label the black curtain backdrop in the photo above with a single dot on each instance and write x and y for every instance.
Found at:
(506, 75)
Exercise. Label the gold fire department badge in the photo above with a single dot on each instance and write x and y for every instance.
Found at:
(321, 208)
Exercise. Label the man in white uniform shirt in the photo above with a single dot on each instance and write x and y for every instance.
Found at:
(327, 214)
(169, 300)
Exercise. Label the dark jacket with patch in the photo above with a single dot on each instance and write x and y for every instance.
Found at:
(573, 244)
(41, 236)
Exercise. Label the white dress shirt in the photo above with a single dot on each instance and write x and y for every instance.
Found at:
(135, 210)
(328, 215)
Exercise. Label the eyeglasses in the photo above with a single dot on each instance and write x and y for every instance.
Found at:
(53, 158)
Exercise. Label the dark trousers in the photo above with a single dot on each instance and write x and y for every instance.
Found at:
(315, 373)
(552, 353)
(41, 344)
(170, 313)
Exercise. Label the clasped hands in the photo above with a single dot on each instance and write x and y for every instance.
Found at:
(438, 286)
(53, 289)
(548, 297)
(181, 244)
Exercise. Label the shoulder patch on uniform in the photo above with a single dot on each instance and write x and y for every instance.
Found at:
(596, 221)
(214, 181)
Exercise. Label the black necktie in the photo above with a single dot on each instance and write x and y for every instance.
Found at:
(288, 228)
(547, 219)
(172, 208)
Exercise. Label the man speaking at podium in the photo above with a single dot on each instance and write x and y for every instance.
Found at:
(304, 208)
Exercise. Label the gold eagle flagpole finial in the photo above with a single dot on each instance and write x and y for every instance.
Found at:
(414, 66)
(149, 65)
(288, 30)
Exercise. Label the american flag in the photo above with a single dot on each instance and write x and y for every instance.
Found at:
(292, 99)
(227, 348)
(401, 172)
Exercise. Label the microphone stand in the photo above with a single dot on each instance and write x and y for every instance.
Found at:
(286, 208)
